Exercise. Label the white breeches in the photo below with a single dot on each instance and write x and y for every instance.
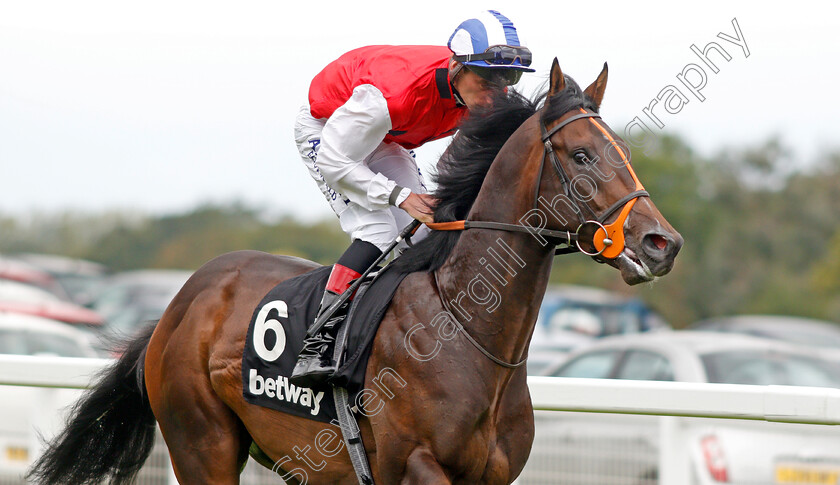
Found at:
(378, 227)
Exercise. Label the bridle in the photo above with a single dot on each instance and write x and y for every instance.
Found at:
(607, 240)
(594, 237)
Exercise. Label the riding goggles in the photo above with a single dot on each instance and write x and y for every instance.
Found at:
(500, 55)
(497, 77)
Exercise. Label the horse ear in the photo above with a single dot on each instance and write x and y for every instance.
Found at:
(558, 80)
(595, 91)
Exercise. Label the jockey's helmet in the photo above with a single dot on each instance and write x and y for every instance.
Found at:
(488, 45)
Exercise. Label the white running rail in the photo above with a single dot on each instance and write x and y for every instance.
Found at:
(804, 405)
(787, 404)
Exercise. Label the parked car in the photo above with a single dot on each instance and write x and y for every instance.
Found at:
(14, 270)
(21, 407)
(623, 449)
(12, 290)
(80, 279)
(31, 300)
(824, 336)
(575, 316)
(131, 298)
(32, 335)
(27, 412)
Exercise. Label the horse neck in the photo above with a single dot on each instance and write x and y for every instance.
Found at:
(494, 281)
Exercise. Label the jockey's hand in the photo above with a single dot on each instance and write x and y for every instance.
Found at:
(420, 206)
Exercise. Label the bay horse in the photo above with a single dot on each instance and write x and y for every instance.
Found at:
(447, 401)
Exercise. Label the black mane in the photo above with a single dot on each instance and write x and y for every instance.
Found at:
(462, 168)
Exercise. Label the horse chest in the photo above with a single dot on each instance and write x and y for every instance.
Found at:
(487, 466)
(490, 451)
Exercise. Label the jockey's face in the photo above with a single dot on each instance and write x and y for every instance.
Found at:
(476, 91)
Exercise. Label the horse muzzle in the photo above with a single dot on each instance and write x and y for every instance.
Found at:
(645, 261)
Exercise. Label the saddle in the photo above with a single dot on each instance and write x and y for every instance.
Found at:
(277, 330)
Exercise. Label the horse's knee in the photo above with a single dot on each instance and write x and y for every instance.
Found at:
(422, 468)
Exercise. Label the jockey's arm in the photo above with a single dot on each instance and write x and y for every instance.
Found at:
(352, 133)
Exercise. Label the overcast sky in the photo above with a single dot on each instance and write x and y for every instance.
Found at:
(161, 106)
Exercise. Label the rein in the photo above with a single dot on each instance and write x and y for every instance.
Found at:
(469, 337)
(607, 240)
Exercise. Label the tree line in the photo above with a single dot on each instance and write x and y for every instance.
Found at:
(760, 235)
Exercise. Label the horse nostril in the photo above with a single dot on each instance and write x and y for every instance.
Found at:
(657, 241)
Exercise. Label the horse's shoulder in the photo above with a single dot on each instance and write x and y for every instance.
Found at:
(416, 288)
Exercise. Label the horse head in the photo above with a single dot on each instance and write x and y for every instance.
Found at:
(587, 183)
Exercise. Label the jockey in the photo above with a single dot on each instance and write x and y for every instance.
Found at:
(367, 110)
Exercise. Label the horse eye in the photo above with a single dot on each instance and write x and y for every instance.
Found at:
(581, 157)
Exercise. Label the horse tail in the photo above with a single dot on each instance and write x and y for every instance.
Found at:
(110, 431)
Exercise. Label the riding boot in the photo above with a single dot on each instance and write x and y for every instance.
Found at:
(315, 363)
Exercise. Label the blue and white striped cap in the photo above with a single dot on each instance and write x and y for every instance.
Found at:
(488, 28)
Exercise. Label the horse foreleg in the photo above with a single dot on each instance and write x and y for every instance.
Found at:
(422, 468)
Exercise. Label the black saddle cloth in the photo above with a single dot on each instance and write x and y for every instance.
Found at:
(275, 337)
